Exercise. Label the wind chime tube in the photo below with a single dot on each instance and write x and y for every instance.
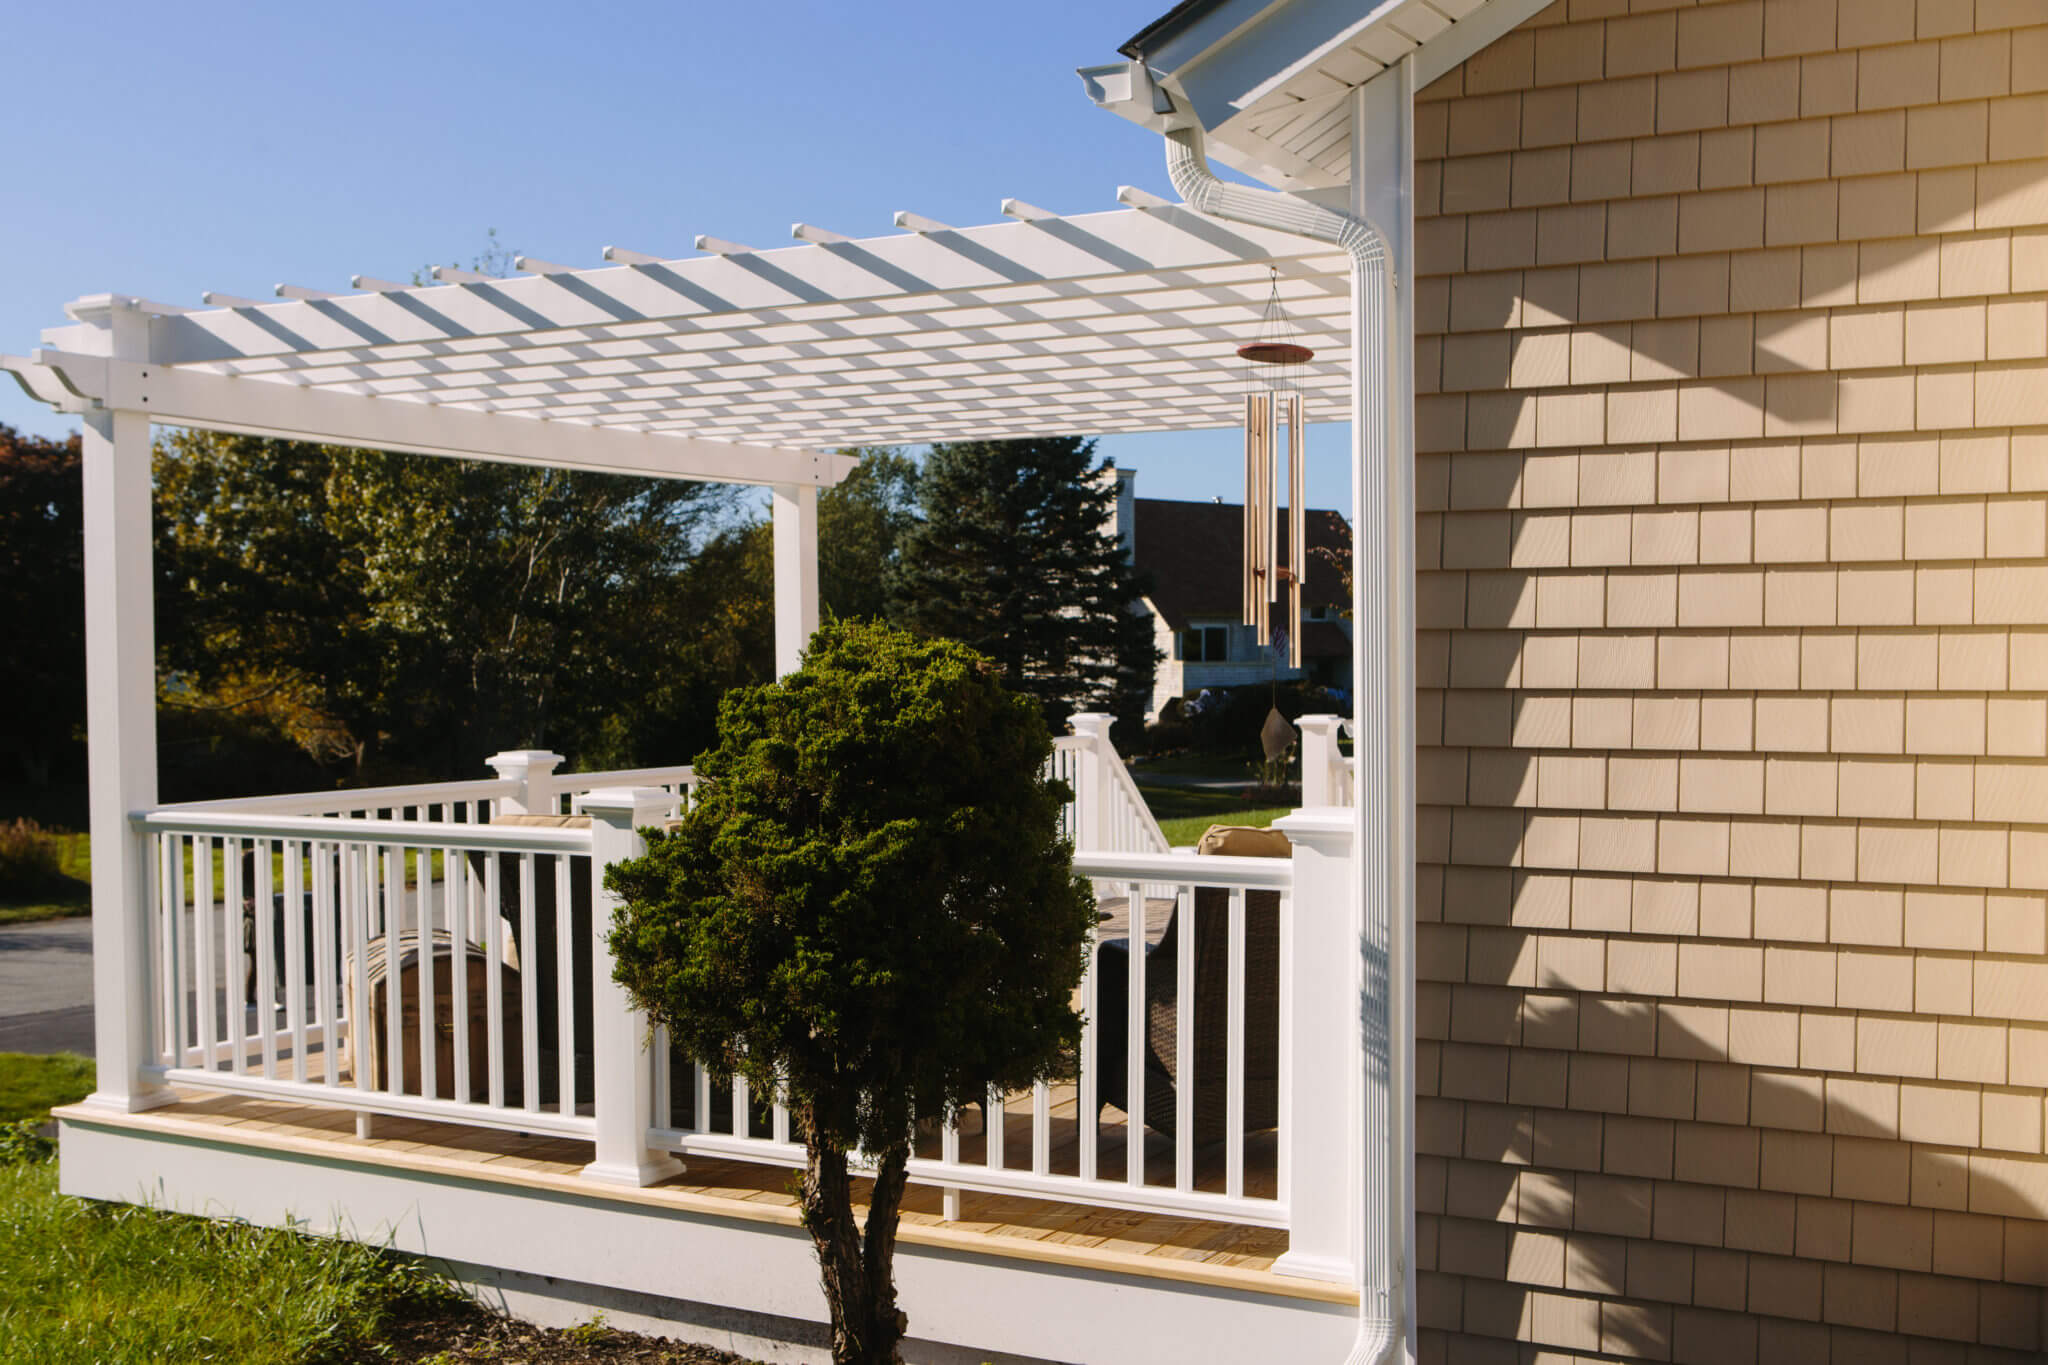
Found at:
(1297, 510)
(1269, 503)
(1251, 460)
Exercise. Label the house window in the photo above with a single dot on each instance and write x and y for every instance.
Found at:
(1205, 644)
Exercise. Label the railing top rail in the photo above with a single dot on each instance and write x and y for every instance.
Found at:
(1259, 874)
(618, 777)
(330, 829)
(357, 798)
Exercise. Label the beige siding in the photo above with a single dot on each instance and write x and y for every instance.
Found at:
(1733, 432)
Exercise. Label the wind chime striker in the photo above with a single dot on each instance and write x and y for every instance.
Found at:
(1273, 431)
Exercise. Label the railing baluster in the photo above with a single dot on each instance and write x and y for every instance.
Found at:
(1184, 1042)
(742, 1104)
(236, 976)
(494, 986)
(992, 1130)
(1284, 1096)
(456, 896)
(529, 993)
(361, 886)
(326, 925)
(181, 970)
(392, 915)
(664, 1102)
(1234, 1108)
(423, 937)
(565, 988)
(701, 1100)
(1135, 1048)
(1086, 1115)
(266, 953)
(1041, 1128)
(295, 954)
(207, 957)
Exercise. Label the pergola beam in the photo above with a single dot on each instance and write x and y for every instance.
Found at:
(271, 408)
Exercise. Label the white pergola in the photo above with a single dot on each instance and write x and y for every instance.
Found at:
(735, 366)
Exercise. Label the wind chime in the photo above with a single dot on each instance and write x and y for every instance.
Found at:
(1273, 431)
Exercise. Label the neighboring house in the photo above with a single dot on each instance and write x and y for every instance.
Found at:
(1193, 554)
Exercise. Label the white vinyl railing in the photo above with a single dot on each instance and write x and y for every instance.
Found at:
(297, 956)
(297, 945)
(679, 781)
(1076, 1139)
(437, 802)
(1107, 812)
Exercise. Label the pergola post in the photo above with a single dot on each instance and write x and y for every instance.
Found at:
(120, 711)
(796, 572)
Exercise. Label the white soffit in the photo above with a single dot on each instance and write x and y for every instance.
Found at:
(1111, 322)
(1267, 78)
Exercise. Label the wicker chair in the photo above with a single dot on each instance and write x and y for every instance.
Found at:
(1211, 1037)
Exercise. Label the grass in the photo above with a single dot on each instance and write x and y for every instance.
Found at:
(31, 1086)
(72, 895)
(1184, 813)
(96, 1284)
(88, 1283)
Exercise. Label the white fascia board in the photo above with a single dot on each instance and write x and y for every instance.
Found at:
(261, 407)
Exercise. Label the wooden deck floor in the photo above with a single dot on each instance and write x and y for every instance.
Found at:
(1148, 1244)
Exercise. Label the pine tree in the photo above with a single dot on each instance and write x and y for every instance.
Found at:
(1013, 555)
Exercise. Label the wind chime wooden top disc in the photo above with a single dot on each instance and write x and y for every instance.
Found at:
(1275, 567)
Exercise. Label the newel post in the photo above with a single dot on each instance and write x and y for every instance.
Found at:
(1319, 1032)
(1091, 781)
(534, 771)
(1320, 770)
(623, 1066)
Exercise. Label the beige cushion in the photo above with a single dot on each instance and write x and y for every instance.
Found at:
(1243, 841)
(545, 821)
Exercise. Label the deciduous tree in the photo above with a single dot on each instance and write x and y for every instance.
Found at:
(419, 610)
(42, 601)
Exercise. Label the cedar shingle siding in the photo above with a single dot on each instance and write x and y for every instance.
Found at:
(1733, 433)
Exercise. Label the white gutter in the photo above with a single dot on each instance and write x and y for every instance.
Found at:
(1381, 719)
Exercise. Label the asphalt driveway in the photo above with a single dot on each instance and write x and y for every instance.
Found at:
(46, 986)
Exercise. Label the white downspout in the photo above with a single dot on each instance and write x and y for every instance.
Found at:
(1380, 726)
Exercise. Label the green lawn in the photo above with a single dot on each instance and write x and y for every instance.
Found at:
(88, 1283)
(1184, 813)
(31, 1086)
(73, 897)
(93, 1284)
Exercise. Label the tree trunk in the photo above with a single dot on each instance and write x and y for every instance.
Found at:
(856, 1266)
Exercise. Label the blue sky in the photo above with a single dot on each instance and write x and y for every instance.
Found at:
(163, 150)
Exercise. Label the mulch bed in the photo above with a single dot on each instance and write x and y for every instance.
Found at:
(463, 1333)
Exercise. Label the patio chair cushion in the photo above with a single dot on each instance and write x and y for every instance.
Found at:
(1244, 841)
